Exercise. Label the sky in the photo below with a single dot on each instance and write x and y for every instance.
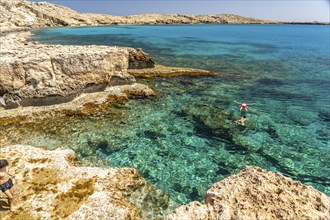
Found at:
(279, 10)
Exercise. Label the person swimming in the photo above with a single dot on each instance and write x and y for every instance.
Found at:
(244, 105)
(242, 121)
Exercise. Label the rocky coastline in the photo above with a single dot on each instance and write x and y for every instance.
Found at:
(36, 74)
(53, 185)
(41, 81)
(18, 15)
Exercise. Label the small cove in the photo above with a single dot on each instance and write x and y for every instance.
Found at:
(185, 139)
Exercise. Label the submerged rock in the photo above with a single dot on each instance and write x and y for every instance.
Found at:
(212, 120)
(167, 71)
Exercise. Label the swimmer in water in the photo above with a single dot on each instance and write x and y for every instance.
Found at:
(244, 106)
(242, 120)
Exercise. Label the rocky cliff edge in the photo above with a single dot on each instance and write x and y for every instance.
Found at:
(33, 73)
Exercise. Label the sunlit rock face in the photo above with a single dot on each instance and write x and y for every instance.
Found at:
(257, 194)
(49, 186)
(22, 15)
(39, 74)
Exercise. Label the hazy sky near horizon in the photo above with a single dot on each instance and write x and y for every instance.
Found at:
(281, 10)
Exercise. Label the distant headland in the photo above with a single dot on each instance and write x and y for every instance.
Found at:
(24, 15)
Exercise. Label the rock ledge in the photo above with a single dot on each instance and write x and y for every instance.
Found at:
(254, 193)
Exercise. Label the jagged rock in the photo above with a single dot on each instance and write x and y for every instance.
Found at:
(138, 59)
(254, 193)
(50, 187)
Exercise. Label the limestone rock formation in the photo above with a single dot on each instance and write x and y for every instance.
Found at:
(138, 59)
(257, 194)
(22, 15)
(83, 104)
(34, 74)
(49, 186)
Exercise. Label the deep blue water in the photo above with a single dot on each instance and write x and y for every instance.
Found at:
(185, 139)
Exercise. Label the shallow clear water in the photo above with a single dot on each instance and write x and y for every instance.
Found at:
(186, 139)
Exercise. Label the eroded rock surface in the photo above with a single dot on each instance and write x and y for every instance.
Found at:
(49, 186)
(138, 59)
(34, 74)
(257, 194)
(82, 104)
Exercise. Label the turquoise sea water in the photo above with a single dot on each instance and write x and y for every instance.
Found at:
(185, 139)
